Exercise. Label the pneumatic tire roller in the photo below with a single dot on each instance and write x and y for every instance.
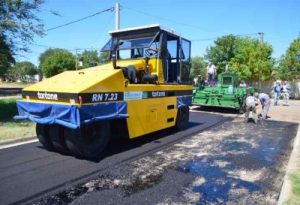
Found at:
(145, 87)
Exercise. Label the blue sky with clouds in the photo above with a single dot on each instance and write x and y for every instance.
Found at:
(198, 20)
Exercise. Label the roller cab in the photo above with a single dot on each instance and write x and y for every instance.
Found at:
(145, 87)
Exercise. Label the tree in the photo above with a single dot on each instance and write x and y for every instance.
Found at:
(22, 70)
(6, 57)
(19, 23)
(252, 59)
(47, 53)
(198, 66)
(58, 62)
(104, 57)
(222, 51)
(289, 65)
(248, 57)
(89, 58)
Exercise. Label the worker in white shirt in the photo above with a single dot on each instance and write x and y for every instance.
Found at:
(251, 103)
(265, 102)
(286, 89)
(211, 73)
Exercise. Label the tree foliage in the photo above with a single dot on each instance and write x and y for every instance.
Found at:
(89, 58)
(6, 57)
(248, 57)
(19, 23)
(198, 66)
(252, 60)
(22, 70)
(57, 62)
(289, 65)
(47, 53)
(223, 50)
(104, 57)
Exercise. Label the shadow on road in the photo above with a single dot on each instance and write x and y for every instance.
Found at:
(216, 110)
(119, 144)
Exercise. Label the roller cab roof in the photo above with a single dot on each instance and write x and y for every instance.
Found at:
(150, 29)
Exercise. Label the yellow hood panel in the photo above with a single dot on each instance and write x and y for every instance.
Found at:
(99, 78)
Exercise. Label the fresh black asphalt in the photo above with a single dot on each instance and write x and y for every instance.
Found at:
(29, 172)
(234, 163)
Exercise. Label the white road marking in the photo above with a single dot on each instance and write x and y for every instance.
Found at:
(17, 144)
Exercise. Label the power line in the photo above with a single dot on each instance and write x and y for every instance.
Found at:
(40, 45)
(249, 34)
(163, 18)
(46, 46)
(104, 29)
(184, 24)
(81, 19)
(209, 39)
(74, 49)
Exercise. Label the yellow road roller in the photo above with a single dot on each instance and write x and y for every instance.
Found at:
(145, 87)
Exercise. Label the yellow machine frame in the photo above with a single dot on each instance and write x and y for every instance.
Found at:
(150, 101)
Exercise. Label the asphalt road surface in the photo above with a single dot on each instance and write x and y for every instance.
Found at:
(31, 174)
(233, 163)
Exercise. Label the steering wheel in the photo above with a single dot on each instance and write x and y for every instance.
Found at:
(151, 51)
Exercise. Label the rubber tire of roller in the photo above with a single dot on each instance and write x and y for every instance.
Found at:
(56, 134)
(182, 119)
(42, 133)
(88, 141)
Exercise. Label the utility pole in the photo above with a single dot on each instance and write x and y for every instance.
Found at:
(76, 59)
(261, 34)
(117, 16)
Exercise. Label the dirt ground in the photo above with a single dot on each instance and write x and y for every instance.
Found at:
(289, 113)
(13, 85)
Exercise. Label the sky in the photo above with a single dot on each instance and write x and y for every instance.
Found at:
(200, 21)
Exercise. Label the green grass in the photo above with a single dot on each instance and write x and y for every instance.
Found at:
(295, 178)
(16, 130)
(295, 197)
(8, 109)
(9, 128)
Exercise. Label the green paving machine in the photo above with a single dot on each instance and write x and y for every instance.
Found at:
(225, 93)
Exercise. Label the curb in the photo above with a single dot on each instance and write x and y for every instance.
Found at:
(286, 189)
(17, 142)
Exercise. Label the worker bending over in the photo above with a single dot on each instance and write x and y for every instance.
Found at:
(265, 102)
(251, 103)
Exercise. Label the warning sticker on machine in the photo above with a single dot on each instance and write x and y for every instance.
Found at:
(134, 95)
(155, 94)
